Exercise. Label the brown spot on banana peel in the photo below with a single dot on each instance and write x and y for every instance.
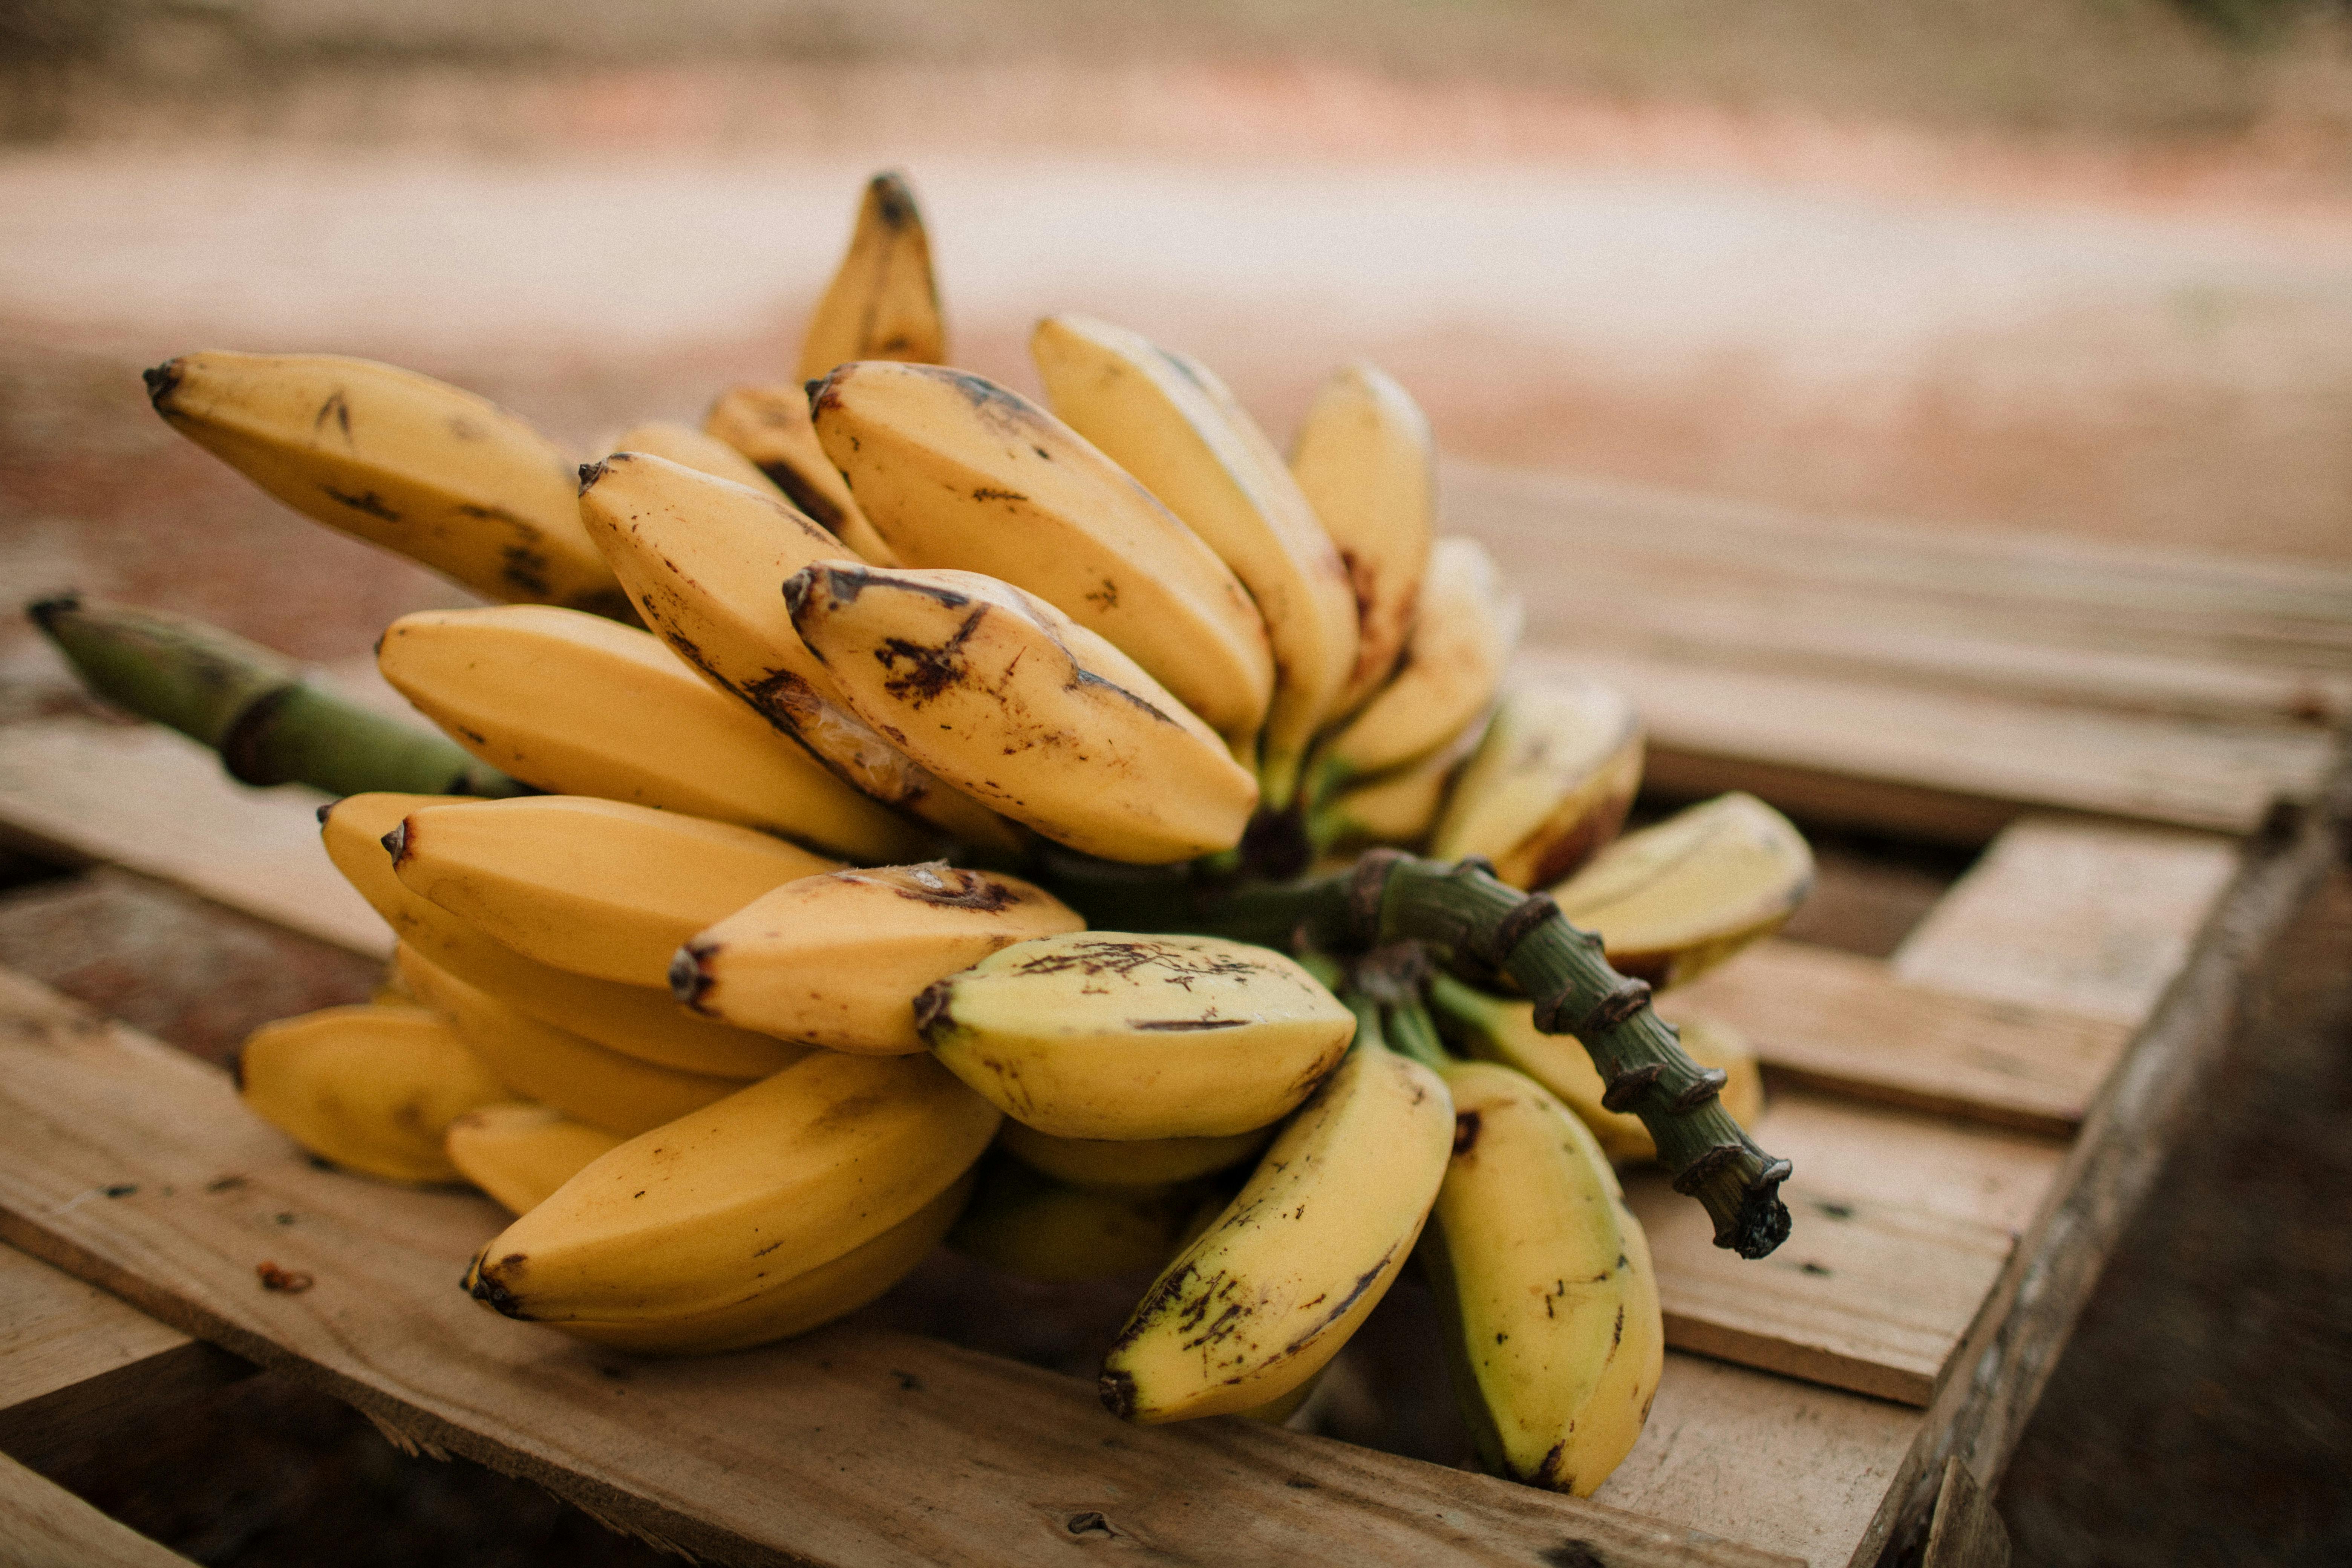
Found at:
(1183, 1026)
(1465, 1133)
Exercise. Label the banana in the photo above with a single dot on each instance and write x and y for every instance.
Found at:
(636, 1020)
(616, 1093)
(771, 426)
(1032, 1226)
(1024, 711)
(579, 706)
(1268, 1294)
(401, 460)
(883, 303)
(956, 471)
(1366, 462)
(519, 1153)
(837, 960)
(1126, 1162)
(1397, 808)
(1108, 1034)
(701, 558)
(782, 1205)
(690, 449)
(1675, 899)
(1169, 421)
(1462, 635)
(1549, 785)
(592, 886)
(371, 1086)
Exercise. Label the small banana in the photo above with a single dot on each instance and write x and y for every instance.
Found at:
(580, 706)
(1397, 808)
(771, 426)
(1549, 785)
(1169, 421)
(1112, 1034)
(1125, 1163)
(690, 449)
(883, 303)
(591, 885)
(1024, 711)
(372, 1086)
(519, 1153)
(1032, 1226)
(1366, 462)
(401, 460)
(956, 471)
(837, 960)
(787, 1203)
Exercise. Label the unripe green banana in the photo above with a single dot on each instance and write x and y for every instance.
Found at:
(1032, 1226)
(372, 1086)
(519, 1153)
(1549, 785)
(883, 303)
(1129, 1163)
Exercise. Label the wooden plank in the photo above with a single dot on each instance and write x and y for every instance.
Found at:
(45, 1526)
(1967, 1532)
(851, 1445)
(1834, 1020)
(1988, 1175)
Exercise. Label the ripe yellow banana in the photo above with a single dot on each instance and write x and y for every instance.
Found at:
(371, 1086)
(519, 1153)
(771, 426)
(883, 303)
(636, 1020)
(401, 460)
(1169, 421)
(1676, 900)
(1024, 711)
(837, 960)
(1114, 1035)
(690, 449)
(1365, 460)
(569, 703)
(786, 1203)
(1397, 808)
(1549, 785)
(591, 885)
(956, 471)
(1120, 1163)
(1032, 1226)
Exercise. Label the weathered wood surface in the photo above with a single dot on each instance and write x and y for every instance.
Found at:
(1966, 1531)
(45, 1526)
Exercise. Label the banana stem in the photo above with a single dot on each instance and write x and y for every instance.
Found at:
(1412, 1033)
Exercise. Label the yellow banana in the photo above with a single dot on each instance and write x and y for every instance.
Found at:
(371, 1086)
(1397, 808)
(956, 471)
(1169, 421)
(574, 704)
(771, 426)
(690, 449)
(882, 302)
(1129, 1162)
(782, 1205)
(1113, 1034)
(1365, 463)
(591, 885)
(838, 960)
(519, 1153)
(1032, 1226)
(1023, 710)
(1675, 899)
(401, 460)
(1549, 785)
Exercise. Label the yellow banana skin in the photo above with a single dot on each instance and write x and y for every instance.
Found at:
(771, 426)
(1029, 1225)
(718, 1230)
(592, 886)
(837, 961)
(956, 471)
(1400, 808)
(1109, 1035)
(399, 460)
(371, 1088)
(1169, 421)
(883, 303)
(519, 1153)
(1268, 1294)
(577, 705)
(1367, 464)
(691, 448)
(1549, 784)
(1129, 1163)
(1024, 711)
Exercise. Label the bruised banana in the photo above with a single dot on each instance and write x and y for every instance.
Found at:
(401, 460)
(1126, 1163)
(636, 1020)
(883, 303)
(580, 706)
(763, 1215)
(371, 1086)
(1398, 808)
(519, 1153)
(1169, 421)
(1024, 711)
(1549, 785)
(1109, 1035)
(770, 427)
(1029, 1225)
(592, 886)
(837, 960)
(688, 448)
(956, 471)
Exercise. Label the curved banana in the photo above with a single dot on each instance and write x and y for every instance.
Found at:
(1032, 1226)
(1366, 462)
(371, 1086)
(1113, 1034)
(1169, 421)
(1024, 711)
(1122, 1162)
(956, 471)
(399, 460)
(1549, 784)
(771, 426)
(580, 706)
(1397, 808)
(592, 886)
(519, 1153)
(838, 960)
(773, 1210)
(883, 303)
(689, 448)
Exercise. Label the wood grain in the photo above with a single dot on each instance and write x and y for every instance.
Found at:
(45, 1526)
(1966, 1531)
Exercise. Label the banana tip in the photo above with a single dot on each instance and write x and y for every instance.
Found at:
(590, 473)
(396, 843)
(1117, 1391)
(688, 981)
(482, 1283)
(162, 382)
(45, 611)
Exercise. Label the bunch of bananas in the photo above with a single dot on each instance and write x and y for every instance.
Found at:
(908, 810)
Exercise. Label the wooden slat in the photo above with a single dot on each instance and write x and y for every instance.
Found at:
(45, 1526)
(1988, 1175)
(1967, 1532)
